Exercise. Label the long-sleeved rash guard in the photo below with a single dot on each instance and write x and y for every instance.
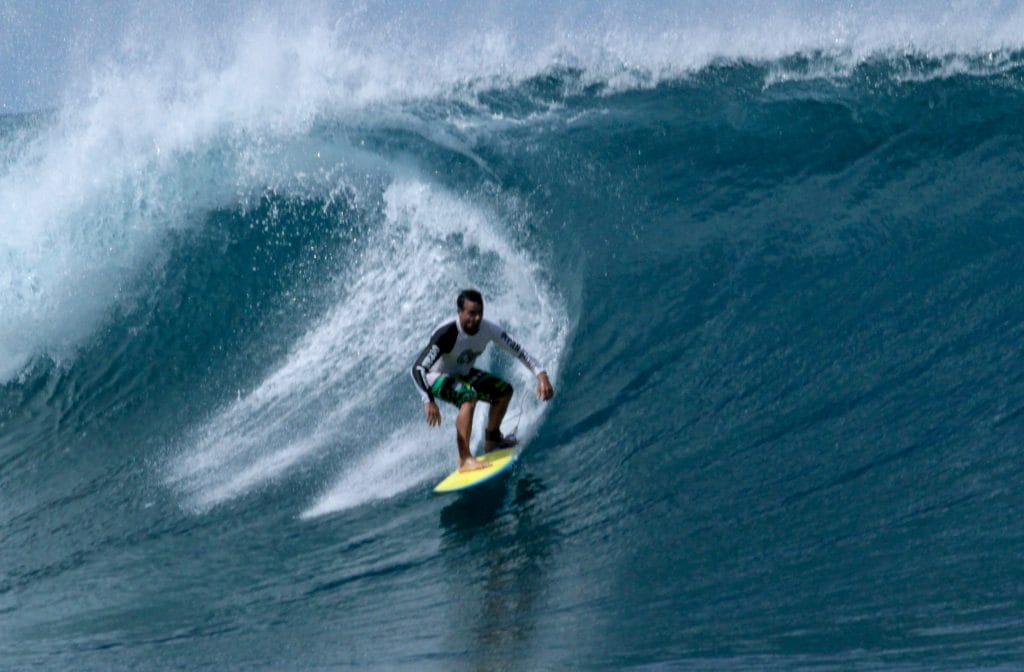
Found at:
(452, 351)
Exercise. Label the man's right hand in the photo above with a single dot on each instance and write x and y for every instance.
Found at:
(433, 414)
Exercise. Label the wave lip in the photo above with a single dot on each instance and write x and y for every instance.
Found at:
(288, 59)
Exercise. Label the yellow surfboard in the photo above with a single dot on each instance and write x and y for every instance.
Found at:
(497, 461)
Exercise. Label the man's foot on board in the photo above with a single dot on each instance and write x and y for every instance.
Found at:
(495, 441)
(472, 464)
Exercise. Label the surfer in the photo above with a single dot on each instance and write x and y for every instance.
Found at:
(445, 370)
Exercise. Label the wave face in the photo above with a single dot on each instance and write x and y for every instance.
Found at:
(777, 287)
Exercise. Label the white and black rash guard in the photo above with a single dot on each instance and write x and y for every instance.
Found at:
(453, 351)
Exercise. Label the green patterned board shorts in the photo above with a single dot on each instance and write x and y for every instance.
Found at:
(475, 385)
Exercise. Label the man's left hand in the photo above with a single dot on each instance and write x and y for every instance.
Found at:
(544, 389)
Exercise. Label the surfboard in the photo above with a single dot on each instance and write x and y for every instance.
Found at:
(498, 462)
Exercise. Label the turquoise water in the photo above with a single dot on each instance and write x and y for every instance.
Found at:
(779, 298)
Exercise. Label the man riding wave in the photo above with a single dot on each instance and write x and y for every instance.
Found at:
(445, 370)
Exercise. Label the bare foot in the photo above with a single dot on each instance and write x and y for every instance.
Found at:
(471, 464)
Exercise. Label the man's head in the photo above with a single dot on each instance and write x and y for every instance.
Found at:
(471, 310)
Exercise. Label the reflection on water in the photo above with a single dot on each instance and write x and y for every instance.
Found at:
(495, 554)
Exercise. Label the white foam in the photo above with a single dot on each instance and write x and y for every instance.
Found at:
(407, 457)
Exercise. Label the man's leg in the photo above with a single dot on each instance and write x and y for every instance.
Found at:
(495, 440)
(460, 394)
(464, 430)
(497, 413)
(498, 394)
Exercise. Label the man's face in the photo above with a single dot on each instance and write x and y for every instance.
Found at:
(470, 315)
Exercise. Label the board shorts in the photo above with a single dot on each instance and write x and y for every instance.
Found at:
(475, 385)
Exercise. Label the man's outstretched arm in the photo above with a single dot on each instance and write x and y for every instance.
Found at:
(441, 341)
(544, 388)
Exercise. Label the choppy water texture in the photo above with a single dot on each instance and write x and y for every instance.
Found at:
(780, 299)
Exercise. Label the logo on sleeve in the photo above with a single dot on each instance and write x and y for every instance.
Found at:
(515, 347)
(430, 357)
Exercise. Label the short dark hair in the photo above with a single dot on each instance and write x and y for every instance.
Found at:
(470, 294)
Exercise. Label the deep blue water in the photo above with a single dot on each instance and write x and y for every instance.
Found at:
(780, 301)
